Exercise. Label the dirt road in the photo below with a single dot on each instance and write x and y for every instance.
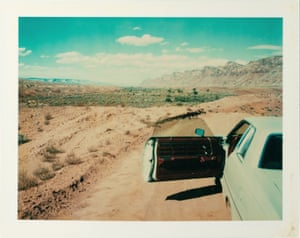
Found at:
(123, 195)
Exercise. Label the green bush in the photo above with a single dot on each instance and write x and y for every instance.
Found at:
(168, 99)
(22, 139)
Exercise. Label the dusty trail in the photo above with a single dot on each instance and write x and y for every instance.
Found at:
(123, 195)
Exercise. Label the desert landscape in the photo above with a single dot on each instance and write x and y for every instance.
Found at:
(80, 148)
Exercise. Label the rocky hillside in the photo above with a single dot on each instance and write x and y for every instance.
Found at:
(265, 72)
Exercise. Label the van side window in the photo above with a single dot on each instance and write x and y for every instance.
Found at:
(245, 142)
(272, 153)
(235, 135)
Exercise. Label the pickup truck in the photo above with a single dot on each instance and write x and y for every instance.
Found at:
(246, 164)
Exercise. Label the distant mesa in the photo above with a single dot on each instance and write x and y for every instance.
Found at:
(266, 72)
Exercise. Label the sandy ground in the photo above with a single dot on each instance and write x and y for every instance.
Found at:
(107, 183)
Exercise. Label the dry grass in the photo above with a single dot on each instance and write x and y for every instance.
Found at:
(107, 154)
(57, 165)
(92, 149)
(127, 132)
(49, 153)
(43, 173)
(48, 116)
(48, 157)
(26, 181)
(72, 159)
(53, 150)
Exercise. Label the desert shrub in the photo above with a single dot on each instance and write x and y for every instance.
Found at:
(196, 98)
(57, 166)
(48, 157)
(107, 154)
(195, 92)
(92, 149)
(72, 159)
(48, 116)
(182, 99)
(53, 150)
(43, 173)
(127, 132)
(168, 98)
(49, 153)
(22, 139)
(26, 181)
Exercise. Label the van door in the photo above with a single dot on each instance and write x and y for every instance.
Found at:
(184, 158)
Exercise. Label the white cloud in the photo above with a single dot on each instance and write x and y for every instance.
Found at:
(136, 28)
(265, 47)
(164, 43)
(140, 41)
(184, 44)
(213, 49)
(23, 52)
(190, 50)
(71, 57)
(44, 56)
(195, 50)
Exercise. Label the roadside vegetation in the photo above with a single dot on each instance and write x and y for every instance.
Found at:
(26, 181)
(22, 139)
(51, 163)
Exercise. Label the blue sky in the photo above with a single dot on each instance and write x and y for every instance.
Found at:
(126, 51)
